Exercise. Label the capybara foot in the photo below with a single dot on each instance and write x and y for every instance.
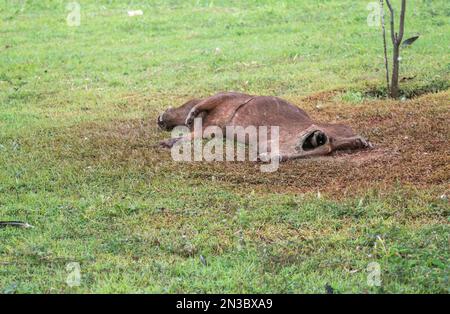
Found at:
(169, 143)
(190, 117)
(363, 143)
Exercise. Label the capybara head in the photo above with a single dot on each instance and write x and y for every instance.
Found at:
(168, 120)
(175, 116)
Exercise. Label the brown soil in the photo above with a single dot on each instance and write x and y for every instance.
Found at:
(411, 141)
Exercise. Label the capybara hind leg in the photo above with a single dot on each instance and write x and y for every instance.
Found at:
(355, 142)
(169, 143)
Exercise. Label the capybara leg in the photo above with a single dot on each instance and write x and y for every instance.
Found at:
(170, 142)
(355, 142)
(319, 151)
(205, 105)
(191, 116)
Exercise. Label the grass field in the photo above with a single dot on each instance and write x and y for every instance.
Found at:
(78, 161)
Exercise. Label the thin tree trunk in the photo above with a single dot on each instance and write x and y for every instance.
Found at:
(391, 10)
(395, 68)
(396, 42)
(383, 26)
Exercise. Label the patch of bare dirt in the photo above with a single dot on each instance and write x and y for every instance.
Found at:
(411, 141)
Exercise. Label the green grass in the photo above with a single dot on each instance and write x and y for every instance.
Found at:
(140, 225)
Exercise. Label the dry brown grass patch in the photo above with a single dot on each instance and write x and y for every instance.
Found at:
(411, 139)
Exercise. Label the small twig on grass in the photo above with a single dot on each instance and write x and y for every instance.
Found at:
(17, 224)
